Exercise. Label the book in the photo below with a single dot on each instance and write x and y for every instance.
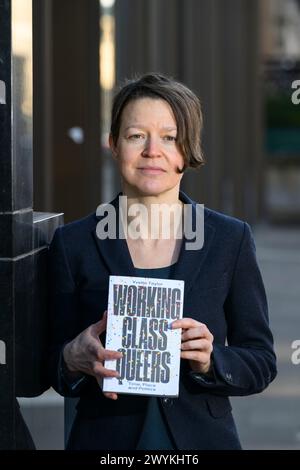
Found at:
(139, 316)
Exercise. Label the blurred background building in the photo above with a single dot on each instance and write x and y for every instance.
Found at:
(241, 58)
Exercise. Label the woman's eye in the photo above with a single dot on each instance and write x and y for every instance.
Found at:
(135, 137)
(170, 138)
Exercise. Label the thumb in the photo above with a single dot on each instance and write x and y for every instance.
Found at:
(100, 325)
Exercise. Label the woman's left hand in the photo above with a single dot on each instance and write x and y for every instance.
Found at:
(196, 343)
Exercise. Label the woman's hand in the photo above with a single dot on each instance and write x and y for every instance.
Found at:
(196, 343)
(87, 354)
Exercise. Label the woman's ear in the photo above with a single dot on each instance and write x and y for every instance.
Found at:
(112, 146)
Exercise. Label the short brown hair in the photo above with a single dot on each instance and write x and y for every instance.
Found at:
(185, 106)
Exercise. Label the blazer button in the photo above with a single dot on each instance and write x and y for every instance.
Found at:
(167, 401)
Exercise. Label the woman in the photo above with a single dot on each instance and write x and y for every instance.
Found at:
(155, 136)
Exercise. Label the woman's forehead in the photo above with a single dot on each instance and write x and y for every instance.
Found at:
(139, 112)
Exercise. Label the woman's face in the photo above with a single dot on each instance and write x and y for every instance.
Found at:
(146, 149)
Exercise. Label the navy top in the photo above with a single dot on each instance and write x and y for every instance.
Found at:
(155, 434)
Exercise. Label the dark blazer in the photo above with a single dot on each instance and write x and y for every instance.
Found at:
(223, 289)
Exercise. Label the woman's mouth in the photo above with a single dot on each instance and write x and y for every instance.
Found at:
(152, 170)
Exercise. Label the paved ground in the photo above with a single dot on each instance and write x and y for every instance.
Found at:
(270, 420)
(44, 416)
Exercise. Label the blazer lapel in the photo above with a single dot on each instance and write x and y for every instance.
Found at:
(114, 251)
(116, 256)
(190, 262)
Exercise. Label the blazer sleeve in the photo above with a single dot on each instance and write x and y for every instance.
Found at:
(64, 316)
(248, 363)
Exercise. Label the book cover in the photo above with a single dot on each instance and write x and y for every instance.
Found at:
(140, 312)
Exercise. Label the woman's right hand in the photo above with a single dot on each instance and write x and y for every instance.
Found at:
(87, 354)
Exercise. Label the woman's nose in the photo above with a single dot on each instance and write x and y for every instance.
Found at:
(152, 147)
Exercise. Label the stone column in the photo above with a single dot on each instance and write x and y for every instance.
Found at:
(24, 234)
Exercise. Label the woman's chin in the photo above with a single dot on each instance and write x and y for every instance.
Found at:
(148, 187)
(151, 191)
(144, 189)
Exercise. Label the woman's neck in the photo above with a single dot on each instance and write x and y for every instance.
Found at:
(153, 217)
